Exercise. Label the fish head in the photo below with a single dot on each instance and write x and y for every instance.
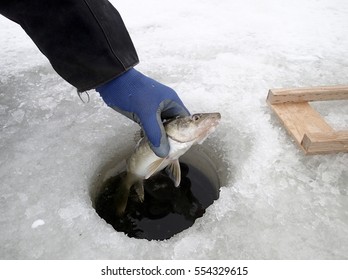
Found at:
(195, 128)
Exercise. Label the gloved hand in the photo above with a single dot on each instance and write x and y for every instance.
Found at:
(145, 101)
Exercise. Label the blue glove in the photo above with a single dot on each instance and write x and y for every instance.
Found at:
(146, 102)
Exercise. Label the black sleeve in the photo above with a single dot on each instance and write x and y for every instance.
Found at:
(86, 41)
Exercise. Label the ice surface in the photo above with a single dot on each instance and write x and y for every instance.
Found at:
(219, 56)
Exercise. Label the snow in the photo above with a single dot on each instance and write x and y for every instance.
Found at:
(38, 223)
(275, 203)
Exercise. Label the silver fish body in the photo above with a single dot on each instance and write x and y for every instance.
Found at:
(182, 132)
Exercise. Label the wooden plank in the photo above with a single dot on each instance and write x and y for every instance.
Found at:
(315, 143)
(276, 96)
(301, 118)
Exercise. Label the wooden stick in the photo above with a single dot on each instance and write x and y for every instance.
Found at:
(301, 118)
(314, 143)
(276, 96)
(307, 127)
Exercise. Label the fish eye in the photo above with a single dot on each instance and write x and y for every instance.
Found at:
(196, 117)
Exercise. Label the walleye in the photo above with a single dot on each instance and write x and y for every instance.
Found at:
(182, 132)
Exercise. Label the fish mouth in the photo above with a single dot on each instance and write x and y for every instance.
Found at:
(214, 118)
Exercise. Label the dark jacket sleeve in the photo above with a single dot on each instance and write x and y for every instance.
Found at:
(86, 41)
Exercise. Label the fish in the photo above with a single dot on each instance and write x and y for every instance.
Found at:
(182, 133)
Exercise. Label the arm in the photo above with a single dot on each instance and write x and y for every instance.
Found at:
(86, 41)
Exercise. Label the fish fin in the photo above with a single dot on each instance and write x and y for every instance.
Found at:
(155, 166)
(139, 190)
(138, 135)
(174, 172)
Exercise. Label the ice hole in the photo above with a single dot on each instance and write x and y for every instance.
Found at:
(166, 210)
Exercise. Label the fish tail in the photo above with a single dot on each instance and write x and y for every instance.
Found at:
(122, 193)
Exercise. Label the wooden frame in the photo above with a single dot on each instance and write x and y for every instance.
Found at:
(311, 132)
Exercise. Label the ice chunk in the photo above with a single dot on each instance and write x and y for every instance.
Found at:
(38, 223)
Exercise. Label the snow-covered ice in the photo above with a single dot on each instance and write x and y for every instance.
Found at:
(221, 56)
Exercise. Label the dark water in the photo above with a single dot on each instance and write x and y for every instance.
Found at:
(166, 210)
